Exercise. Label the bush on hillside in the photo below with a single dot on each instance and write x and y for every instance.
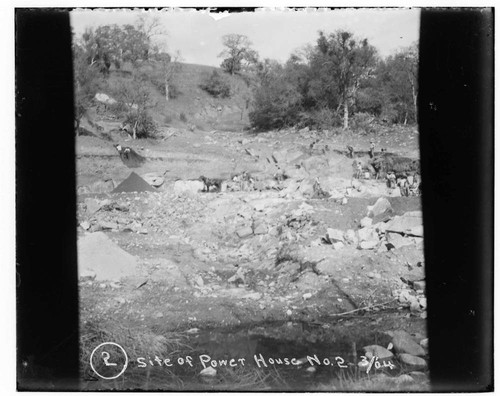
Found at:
(144, 124)
(216, 85)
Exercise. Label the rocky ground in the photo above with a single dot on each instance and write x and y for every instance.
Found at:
(293, 249)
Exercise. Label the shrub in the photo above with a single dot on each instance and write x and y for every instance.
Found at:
(216, 85)
(144, 123)
(173, 91)
(277, 104)
(183, 117)
(363, 123)
(119, 109)
(323, 118)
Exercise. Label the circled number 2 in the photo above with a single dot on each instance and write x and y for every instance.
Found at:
(105, 357)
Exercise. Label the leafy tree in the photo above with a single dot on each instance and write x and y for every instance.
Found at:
(403, 69)
(134, 44)
(86, 83)
(112, 45)
(340, 63)
(397, 83)
(238, 53)
(135, 96)
(277, 100)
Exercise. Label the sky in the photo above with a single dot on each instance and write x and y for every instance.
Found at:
(274, 33)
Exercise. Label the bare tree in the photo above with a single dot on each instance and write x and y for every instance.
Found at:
(151, 27)
(170, 66)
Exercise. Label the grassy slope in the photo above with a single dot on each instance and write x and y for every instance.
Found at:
(200, 109)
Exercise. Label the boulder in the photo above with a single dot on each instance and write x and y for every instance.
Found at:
(367, 234)
(368, 244)
(415, 306)
(422, 301)
(377, 351)
(244, 232)
(188, 186)
(100, 186)
(381, 206)
(380, 226)
(418, 375)
(85, 225)
(403, 379)
(260, 229)
(405, 344)
(398, 240)
(97, 254)
(208, 372)
(93, 205)
(338, 245)
(306, 187)
(155, 179)
(419, 285)
(334, 235)
(108, 225)
(405, 297)
(414, 362)
(103, 98)
(410, 224)
(350, 237)
(366, 222)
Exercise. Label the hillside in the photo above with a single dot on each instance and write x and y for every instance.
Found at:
(191, 105)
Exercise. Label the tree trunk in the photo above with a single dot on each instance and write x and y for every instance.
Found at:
(414, 95)
(77, 127)
(414, 102)
(134, 130)
(166, 90)
(346, 114)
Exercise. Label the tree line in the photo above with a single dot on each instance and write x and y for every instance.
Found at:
(97, 50)
(339, 81)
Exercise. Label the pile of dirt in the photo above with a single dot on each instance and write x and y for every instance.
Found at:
(133, 183)
(131, 158)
